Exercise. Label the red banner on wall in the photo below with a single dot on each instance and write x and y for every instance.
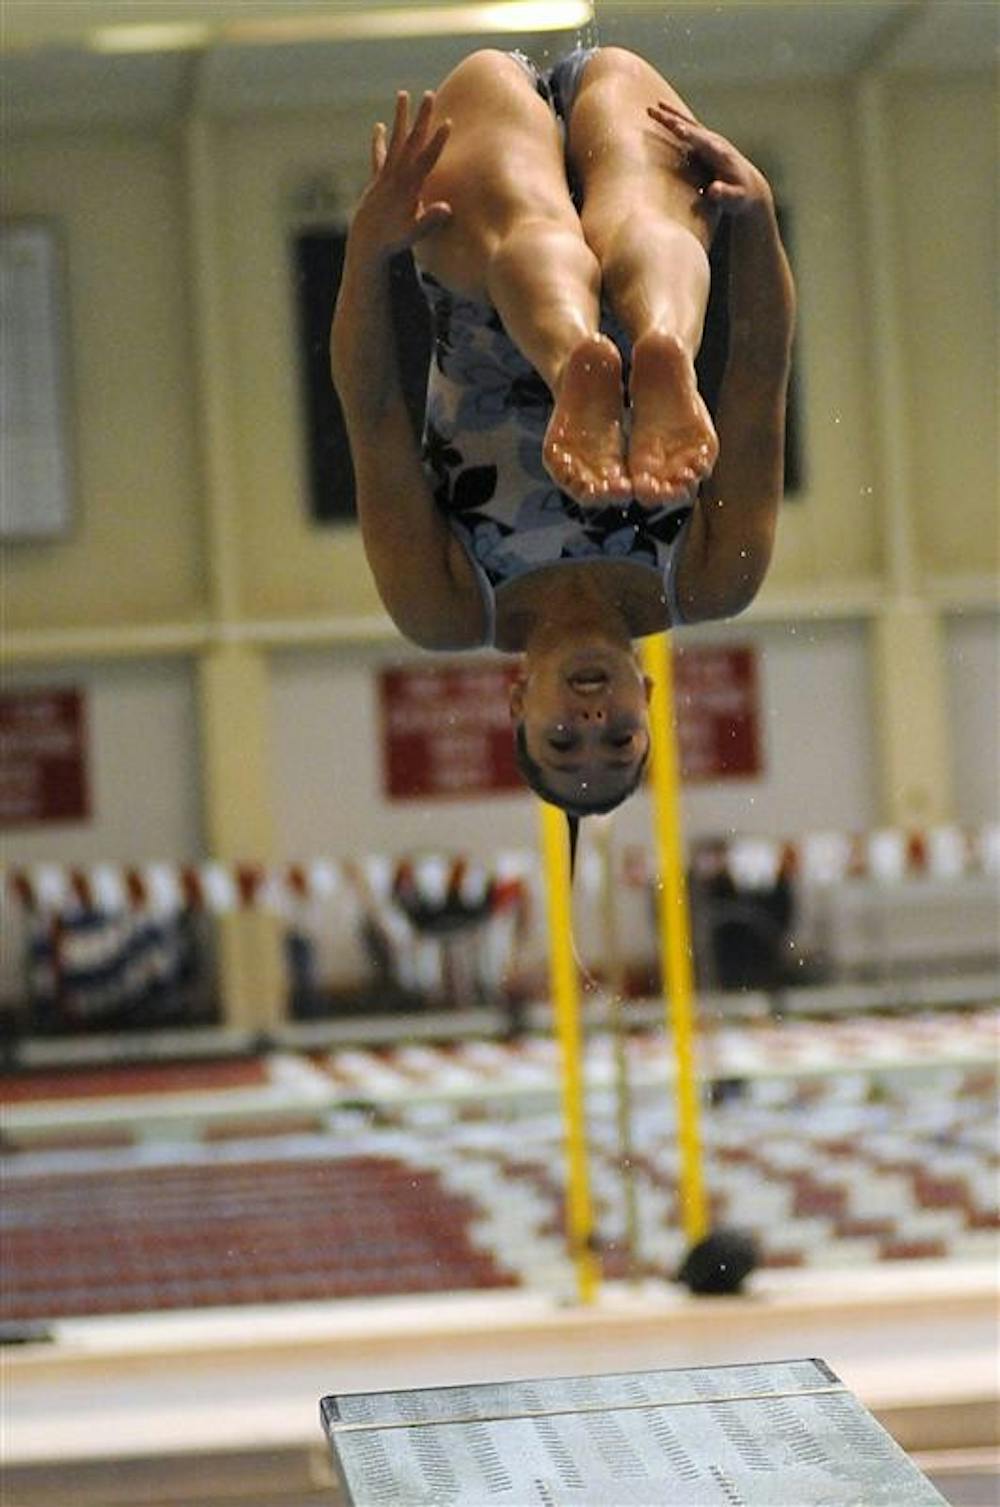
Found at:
(718, 712)
(446, 728)
(43, 765)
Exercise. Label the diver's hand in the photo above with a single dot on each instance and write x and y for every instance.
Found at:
(727, 181)
(391, 214)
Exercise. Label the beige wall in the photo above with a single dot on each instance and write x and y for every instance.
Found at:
(829, 537)
(973, 675)
(288, 566)
(945, 201)
(136, 552)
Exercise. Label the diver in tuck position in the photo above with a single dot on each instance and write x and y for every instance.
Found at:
(572, 493)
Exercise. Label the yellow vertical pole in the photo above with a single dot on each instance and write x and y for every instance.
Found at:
(615, 970)
(565, 986)
(675, 932)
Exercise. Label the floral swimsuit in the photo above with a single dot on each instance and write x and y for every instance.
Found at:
(487, 411)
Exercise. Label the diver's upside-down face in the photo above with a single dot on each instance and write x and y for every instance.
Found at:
(586, 720)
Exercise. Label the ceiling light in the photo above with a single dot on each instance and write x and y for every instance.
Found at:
(167, 36)
(350, 25)
(535, 15)
(414, 21)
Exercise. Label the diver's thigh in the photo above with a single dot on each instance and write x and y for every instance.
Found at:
(621, 160)
(503, 160)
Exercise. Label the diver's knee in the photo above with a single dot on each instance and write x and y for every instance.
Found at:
(485, 67)
(611, 62)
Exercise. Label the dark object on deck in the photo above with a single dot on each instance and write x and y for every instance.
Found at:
(719, 1264)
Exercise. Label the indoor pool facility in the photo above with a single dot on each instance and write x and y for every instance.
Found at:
(499, 766)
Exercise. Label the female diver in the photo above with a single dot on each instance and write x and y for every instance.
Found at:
(572, 492)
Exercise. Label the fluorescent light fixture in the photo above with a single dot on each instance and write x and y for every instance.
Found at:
(534, 15)
(349, 25)
(166, 36)
(414, 21)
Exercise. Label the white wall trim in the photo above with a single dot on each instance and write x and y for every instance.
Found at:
(131, 641)
(856, 600)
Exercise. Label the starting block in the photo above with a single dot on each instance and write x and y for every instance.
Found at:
(781, 1434)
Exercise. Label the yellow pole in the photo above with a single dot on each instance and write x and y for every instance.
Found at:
(565, 985)
(675, 932)
(615, 966)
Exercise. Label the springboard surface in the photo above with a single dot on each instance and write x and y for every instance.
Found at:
(776, 1434)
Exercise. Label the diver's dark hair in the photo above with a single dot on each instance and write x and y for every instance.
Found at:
(534, 775)
(573, 825)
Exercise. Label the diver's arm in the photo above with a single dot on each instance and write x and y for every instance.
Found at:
(420, 569)
(731, 534)
(422, 574)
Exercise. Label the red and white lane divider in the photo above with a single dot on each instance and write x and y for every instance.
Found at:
(221, 888)
(886, 856)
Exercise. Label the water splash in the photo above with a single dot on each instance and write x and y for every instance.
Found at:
(589, 35)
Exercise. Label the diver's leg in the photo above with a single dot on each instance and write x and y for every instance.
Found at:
(516, 240)
(648, 227)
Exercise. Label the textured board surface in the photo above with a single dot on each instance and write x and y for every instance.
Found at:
(768, 1435)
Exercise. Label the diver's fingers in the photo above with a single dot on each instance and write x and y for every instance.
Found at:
(400, 124)
(726, 195)
(379, 148)
(697, 138)
(676, 111)
(429, 154)
(431, 218)
(423, 115)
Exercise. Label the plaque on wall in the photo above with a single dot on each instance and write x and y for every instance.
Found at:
(446, 730)
(43, 763)
(35, 471)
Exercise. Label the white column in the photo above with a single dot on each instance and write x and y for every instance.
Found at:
(907, 641)
(239, 827)
(233, 678)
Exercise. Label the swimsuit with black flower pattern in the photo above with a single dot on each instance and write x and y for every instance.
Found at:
(487, 410)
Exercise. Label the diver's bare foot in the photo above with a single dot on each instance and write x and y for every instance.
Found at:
(673, 445)
(584, 450)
